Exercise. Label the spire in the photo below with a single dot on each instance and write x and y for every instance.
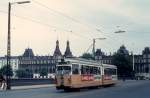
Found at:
(68, 53)
(28, 53)
(57, 51)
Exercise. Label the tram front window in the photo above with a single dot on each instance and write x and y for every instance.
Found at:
(63, 69)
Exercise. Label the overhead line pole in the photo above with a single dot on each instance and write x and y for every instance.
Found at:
(8, 86)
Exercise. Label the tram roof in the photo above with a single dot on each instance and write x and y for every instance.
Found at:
(89, 62)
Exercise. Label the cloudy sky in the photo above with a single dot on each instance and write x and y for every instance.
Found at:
(39, 24)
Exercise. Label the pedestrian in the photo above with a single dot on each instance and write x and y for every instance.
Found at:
(0, 80)
(3, 82)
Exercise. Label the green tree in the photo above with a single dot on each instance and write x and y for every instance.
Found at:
(123, 63)
(5, 71)
(21, 73)
(24, 73)
(87, 56)
(43, 72)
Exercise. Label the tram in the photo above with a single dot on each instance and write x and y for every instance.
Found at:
(80, 73)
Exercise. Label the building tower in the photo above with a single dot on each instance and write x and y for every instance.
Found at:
(68, 53)
(28, 53)
(57, 53)
(146, 60)
(99, 55)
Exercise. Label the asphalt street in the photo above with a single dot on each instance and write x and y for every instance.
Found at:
(127, 89)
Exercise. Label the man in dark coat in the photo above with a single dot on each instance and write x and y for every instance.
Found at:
(2, 82)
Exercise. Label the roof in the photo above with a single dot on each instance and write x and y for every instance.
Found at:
(123, 50)
(28, 53)
(89, 62)
(99, 52)
(57, 51)
(146, 50)
(68, 52)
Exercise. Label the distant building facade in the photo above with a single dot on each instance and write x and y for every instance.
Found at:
(141, 62)
(14, 63)
(34, 64)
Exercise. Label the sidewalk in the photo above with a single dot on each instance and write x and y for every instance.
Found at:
(32, 86)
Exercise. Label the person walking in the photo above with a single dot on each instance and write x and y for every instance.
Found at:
(0, 80)
(3, 82)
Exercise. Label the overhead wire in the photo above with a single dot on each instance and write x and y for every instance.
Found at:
(35, 21)
(64, 15)
(68, 17)
(41, 23)
(74, 19)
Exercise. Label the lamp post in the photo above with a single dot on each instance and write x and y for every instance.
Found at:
(133, 63)
(8, 87)
(94, 40)
(133, 66)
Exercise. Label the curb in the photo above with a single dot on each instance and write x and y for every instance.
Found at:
(32, 87)
(14, 88)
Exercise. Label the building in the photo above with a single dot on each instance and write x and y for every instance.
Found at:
(57, 53)
(107, 59)
(68, 53)
(34, 64)
(141, 62)
(14, 63)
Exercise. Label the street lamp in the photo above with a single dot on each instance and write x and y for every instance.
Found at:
(120, 31)
(9, 41)
(94, 40)
(133, 66)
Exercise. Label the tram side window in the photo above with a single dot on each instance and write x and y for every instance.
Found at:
(114, 71)
(85, 70)
(75, 69)
(90, 70)
(96, 71)
(109, 71)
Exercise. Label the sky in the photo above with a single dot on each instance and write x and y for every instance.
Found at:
(39, 24)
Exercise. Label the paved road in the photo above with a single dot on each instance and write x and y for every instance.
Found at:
(128, 89)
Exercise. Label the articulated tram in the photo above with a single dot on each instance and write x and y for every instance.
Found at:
(81, 73)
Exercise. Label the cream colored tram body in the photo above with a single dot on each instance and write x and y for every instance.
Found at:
(81, 73)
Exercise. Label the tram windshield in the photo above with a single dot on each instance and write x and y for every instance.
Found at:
(63, 69)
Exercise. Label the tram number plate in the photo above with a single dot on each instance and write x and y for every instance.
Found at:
(87, 77)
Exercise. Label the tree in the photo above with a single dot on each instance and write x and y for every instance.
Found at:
(4, 71)
(43, 72)
(24, 73)
(87, 56)
(21, 73)
(123, 63)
